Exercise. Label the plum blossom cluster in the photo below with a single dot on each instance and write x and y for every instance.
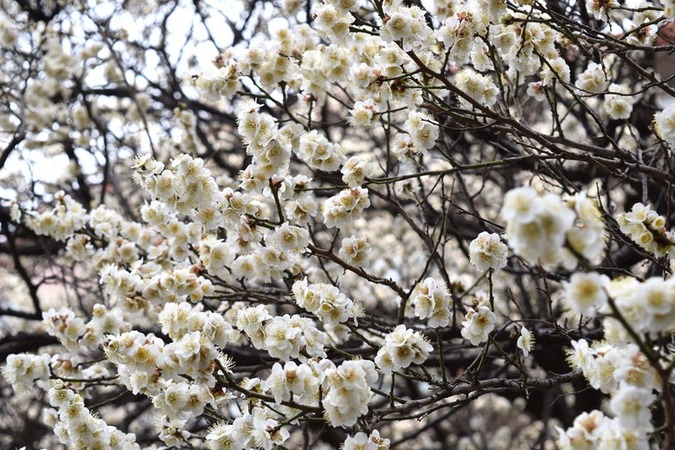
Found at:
(339, 92)
(596, 430)
(354, 250)
(269, 146)
(618, 366)
(341, 209)
(487, 251)
(61, 221)
(624, 373)
(223, 82)
(299, 382)
(344, 390)
(547, 230)
(423, 132)
(23, 371)
(432, 301)
(347, 391)
(401, 348)
(256, 429)
(325, 301)
(186, 186)
(76, 427)
(355, 170)
(362, 441)
(320, 154)
(647, 229)
(608, 367)
(648, 306)
(141, 358)
(284, 337)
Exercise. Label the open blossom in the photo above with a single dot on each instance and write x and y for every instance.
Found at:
(664, 124)
(355, 171)
(593, 79)
(289, 238)
(649, 306)
(580, 356)
(78, 428)
(584, 432)
(525, 341)
(481, 88)
(619, 105)
(586, 293)
(601, 8)
(478, 325)
(631, 406)
(422, 130)
(361, 115)
(587, 237)
(537, 90)
(407, 25)
(487, 251)
(287, 337)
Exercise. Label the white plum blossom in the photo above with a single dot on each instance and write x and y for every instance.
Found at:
(344, 207)
(23, 370)
(538, 228)
(362, 441)
(401, 348)
(619, 104)
(487, 251)
(325, 301)
(431, 300)
(291, 380)
(525, 341)
(79, 428)
(276, 244)
(354, 250)
(361, 115)
(355, 171)
(348, 391)
(586, 293)
(664, 124)
(580, 356)
(631, 406)
(480, 88)
(319, 153)
(593, 79)
(423, 132)
(478, 325)
(647, 229)
(289, 238)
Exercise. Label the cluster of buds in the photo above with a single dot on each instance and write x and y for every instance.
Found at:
(647, 229)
